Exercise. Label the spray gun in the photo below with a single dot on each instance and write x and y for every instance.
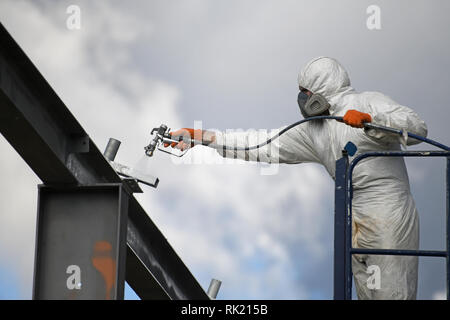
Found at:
(163, 136)
(161, 132)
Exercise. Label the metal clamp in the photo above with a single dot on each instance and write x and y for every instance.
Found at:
(110, 153)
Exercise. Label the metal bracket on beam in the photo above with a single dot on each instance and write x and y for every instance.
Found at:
(78, 144)
(128, 172)
(213, 289)
(132, 185)
(110, 154)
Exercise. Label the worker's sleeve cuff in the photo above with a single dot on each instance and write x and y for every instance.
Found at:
(383, 120)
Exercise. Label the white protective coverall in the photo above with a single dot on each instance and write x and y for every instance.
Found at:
(384, 213)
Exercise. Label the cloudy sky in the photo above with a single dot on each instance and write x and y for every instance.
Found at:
(229, 64)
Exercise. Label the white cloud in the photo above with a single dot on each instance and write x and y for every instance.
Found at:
(440, 295)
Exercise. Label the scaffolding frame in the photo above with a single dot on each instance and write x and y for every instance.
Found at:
(343, 250)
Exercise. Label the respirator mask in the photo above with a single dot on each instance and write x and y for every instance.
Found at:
(312, 106)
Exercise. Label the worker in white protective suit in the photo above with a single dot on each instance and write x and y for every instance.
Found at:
(384, 213)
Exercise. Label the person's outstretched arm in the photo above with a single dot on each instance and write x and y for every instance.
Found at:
(294, 146)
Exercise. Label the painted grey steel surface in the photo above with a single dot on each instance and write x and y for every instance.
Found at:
(47, 136)
(147, 242)
(80, 244)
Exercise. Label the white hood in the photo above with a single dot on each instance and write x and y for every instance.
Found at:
(327, 77)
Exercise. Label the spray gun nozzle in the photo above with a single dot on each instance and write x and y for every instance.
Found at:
(161, 133)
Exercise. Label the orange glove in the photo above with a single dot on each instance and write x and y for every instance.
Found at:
(356, 119)
(185, 132)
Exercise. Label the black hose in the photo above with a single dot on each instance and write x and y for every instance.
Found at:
(275, 136)
(367, 125)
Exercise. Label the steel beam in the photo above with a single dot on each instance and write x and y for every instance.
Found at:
(47, 136)
(146, 242)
